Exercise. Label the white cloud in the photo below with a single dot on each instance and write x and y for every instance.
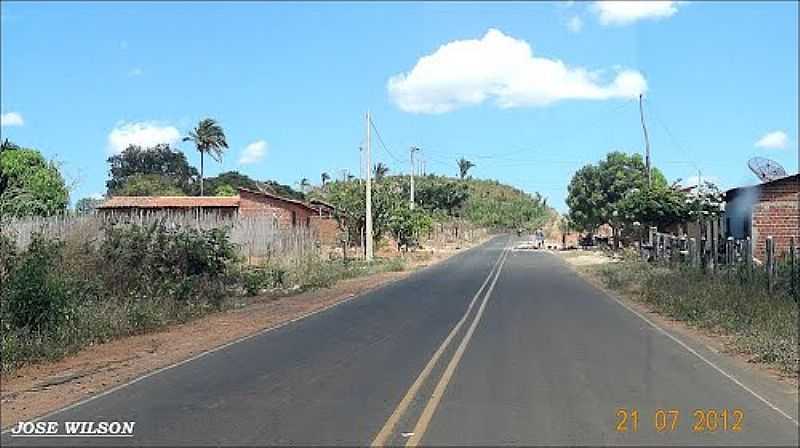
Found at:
(11, 119)
(137, 71)
(97, 196)
(575, 24)
(253, 153)
(145, 134)
(627, 12)
(773, 140)
(468, 72)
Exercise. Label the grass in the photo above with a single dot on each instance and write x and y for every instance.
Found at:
(59, 296)
(764, 324)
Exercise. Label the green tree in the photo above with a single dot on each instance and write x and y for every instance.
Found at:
(659, 206)
(595, 190)
(149, 185)
(325, 177)
(160, 161)
(405, 225)
(208, 137)
(29, 184)
(224, 190)
(464, 166)
(349, 199)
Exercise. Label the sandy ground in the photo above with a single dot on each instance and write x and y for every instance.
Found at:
(36, 390)
(584, 261)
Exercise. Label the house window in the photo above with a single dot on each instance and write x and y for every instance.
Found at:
(294, 218)
(308, 221)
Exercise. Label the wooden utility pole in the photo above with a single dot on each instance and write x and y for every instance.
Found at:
(368, 243)
(646, 144)
(412, 151)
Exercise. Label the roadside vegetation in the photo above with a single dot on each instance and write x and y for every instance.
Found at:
(60, 295)
(733, 299)
(93, 281)
(763, 325)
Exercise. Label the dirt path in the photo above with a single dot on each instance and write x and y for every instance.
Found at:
(39, 389)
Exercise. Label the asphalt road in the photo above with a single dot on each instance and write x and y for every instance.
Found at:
(539, 357)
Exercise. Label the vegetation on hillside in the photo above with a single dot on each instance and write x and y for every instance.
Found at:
(484, 203)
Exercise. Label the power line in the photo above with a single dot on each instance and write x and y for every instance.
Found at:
(383, 145)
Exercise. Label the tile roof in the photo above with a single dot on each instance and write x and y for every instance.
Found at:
(170, 202)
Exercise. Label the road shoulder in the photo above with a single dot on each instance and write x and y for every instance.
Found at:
(763, 380)
(39, 389)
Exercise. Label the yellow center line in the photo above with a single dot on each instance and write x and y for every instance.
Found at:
(438, 392)
(388, 428)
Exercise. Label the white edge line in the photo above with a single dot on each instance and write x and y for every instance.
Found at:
(704, 359)
(226, 345)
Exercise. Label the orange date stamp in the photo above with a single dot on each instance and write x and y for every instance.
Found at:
(630, 420)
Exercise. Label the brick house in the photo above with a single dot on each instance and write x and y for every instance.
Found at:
(289, 213)
(769, 209)
(325, 223)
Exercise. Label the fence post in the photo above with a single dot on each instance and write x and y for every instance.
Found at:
(792, 266)
(693, 259)
(770, 264)
(730, 253)
(702, 252)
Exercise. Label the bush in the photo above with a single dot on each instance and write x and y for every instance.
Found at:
(58, 296)
(36, 295)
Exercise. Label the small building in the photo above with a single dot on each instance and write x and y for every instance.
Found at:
(288, 213)
(768, 209)
(325, 223)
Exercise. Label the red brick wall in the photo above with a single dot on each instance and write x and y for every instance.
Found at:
(254, 204)
(776, 214)
(327, 230)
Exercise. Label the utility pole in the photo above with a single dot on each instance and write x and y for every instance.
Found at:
(368, 244)
(646, 144)
(412, 151)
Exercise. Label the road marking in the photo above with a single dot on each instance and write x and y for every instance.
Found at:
(704, 359)
(228, 344)
(388, 428)
(438, 392)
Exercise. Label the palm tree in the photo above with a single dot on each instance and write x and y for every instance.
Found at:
(325, 178)
(304, 184)
(208, 137)
(379, 171)
(463, 167)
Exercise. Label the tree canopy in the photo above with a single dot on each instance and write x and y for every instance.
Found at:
(595, 191)
(29, 184)
(163, 170)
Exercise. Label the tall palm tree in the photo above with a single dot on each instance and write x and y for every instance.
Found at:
(304, 184)
(208, 137)
(379, 171)
(463, 167)
(325, 177)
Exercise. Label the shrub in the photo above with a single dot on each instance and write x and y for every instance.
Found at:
(36, 295)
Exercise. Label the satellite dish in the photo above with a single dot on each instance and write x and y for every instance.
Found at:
(767, 170)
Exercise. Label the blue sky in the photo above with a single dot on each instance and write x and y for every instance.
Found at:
(528, 91)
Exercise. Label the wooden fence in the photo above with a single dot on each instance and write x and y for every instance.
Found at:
(256, 237)
(719, 253)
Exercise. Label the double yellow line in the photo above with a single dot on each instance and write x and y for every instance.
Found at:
(386, 432)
